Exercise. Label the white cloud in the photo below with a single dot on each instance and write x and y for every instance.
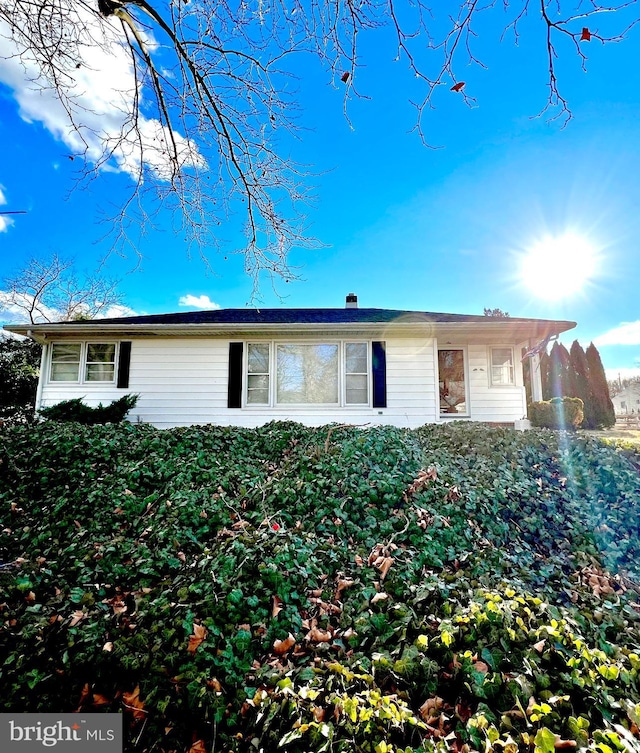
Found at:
(117, 311)
(627, 333)
(623, 373)
(198, 302)
(5, 222)
(15, 307)
(100, 86)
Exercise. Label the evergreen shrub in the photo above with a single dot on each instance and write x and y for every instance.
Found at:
(76, 410)
(557, 413)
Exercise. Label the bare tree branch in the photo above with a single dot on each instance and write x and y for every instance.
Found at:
(201, 91)
(51, 290)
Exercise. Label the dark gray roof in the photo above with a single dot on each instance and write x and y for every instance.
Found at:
(306, 316)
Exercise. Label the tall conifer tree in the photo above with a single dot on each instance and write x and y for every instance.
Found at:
(603, 407)
(545, 363)
(579, 385)
(558, 370)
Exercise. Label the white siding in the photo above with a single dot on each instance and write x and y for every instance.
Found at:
(494, 403)
(183, 381)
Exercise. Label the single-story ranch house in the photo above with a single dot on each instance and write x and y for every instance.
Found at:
(245, 367)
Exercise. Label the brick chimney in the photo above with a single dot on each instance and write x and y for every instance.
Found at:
(351, 301)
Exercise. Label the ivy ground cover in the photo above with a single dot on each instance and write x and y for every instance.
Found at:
(452, 588)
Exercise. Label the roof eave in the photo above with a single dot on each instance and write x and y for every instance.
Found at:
(519, 329)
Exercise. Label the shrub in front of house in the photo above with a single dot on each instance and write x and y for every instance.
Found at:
(76, 410)
(557, 413)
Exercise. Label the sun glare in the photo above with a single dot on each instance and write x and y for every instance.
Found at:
(559, 266)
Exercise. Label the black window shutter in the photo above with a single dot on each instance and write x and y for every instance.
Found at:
(379, 369)
(234, 396)
(124, 363)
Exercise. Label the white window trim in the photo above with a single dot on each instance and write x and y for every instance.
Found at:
(501, 385)
(452, 416)
(273, 378)
(82, 375)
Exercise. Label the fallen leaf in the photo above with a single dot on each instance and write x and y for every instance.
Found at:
(381, 596)
(133, 703)
(430, 708)
(198, 747)
(480, 666)
(277, 606)
(342, 584)
(539, 646)
(199, 634)
(385, 566)
(108, 646)
(76, 617)
(318, 713)
(316, 635)
(281, 647)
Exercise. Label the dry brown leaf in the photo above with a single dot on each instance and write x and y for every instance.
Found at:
(343, 583)
(316, 635)
(431, 708)
(561, 744)
(539, 646)
(84, 695)
(133, 703)
(381, 596)
(108, 646)
(76, 617)
(480, 666)
(277, 606)
(318, 713)
(199, 634)
(281, 647)
(198, 747)
(385, 566)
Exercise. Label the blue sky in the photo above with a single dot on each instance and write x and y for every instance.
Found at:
(403, 225)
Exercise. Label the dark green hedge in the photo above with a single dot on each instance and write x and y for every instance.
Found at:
(334, 588)
(78, 412)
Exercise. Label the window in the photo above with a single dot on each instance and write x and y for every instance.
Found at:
(258, 374)
(452, 382)
(329, 373)
(65, 362)
(502, 370)
(356, 374)
(87, 362)
(101, 362)
(307, 374)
